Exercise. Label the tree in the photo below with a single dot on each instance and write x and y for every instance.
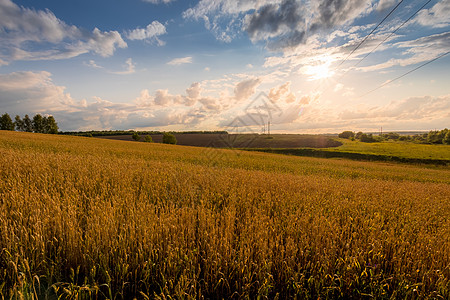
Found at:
(148, 139)
(38, 123)
(6, 123)
(19, 123)
(358, 135)
(50, 125)
(169, 138)
(346, 134)
(446, 139)
(367, 138)
(27, 124)
(392, 136)
(136, 137)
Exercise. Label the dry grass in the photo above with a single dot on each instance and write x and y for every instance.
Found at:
(89, 218)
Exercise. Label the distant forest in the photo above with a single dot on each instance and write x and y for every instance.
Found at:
(432, 137)
(131, 132)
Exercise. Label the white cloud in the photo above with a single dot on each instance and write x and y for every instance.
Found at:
(437, 16)
(180, 61)
(223, 18)
(34, 92)
(385, 4)
(91, 63)
(246, 88)
(282, 92)
(194, 90)
(20, 25)
(158, 1)
(150, 33)
(338, 87)
(130, 68)
(30, 92)
(417, 51)
(423, 109)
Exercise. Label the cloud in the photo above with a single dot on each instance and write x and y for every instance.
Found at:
(31, 92)
(194, 90)
(273, 20)
(282, 24)
(149, 34)
(21, 27)
(385, 4)
(338, 87)
(417, 51)
(180, 61)
(423, 109)
(436, 17)
(158, 1)
(222, 17)
(91, 63)
(246, 88)
(162, 97)
(34, 92)
(130, 68)
(330, 13)
(282, 92)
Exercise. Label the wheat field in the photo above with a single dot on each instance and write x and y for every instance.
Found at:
(86, 218)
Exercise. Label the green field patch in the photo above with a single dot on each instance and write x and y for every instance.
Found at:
(404, 152)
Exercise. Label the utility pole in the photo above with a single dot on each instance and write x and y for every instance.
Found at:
(268, 127)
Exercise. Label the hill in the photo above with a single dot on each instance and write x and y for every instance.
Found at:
(225, 140)
(94, 218)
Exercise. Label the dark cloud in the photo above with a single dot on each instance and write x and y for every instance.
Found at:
(284, 24)
(274, 17)
(336, 12)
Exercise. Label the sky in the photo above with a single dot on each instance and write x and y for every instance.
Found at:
(303, 66)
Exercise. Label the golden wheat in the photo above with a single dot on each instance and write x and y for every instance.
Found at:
(86, 218)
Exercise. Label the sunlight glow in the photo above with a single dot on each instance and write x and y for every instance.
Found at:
(318, 72)
(319, 68)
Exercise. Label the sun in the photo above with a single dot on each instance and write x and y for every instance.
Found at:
(321, 72)
(319, 69)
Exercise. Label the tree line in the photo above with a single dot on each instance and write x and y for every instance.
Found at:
(39, 123)
(168, 138)
(432, 137)
(130, 132)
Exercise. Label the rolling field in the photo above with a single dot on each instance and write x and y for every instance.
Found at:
(390, 151)
(397, 148)
(84, 218)
(243, 140)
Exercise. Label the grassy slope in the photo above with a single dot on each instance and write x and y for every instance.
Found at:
(137, 218)
(400, 149)
(381, 151)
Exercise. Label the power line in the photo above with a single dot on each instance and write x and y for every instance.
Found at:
(367, 36)
(403, 75)
(382, 42)
(417, 11)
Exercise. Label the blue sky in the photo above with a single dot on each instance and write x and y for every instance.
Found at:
(202, 65)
